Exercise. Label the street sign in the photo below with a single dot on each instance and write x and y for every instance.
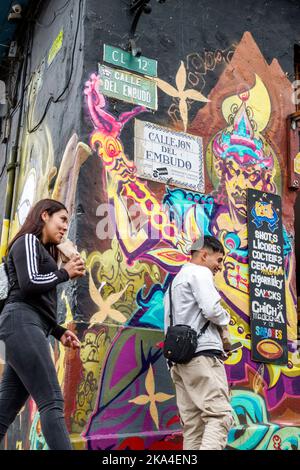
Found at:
(128, 87)
(168, 156)
(120, 58)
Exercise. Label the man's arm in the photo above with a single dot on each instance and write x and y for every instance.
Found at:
(209, 299)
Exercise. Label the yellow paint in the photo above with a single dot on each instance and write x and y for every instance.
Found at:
(78, 442)
(69, 316)
(259, 101)
(19, 445)
(56, 46)
(152, 397)
(297, 164)
(4, 238)
(105, 306)
(94, 347)
(111, 267)
(180, 93)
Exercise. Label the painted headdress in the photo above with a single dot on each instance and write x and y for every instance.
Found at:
(241, 141)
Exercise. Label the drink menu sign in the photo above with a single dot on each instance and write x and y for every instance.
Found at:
(267, 280)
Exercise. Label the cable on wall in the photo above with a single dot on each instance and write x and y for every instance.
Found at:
(56, 100)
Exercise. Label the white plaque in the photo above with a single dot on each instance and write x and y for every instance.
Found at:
(168, 156)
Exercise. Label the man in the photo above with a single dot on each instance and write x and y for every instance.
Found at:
(201, 384)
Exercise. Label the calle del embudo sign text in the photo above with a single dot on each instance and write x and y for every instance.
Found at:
(267, 278)
(127, 87)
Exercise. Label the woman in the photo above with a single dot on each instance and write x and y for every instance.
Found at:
(29, 316)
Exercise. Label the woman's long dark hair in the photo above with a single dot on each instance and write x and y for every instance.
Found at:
(34, 223)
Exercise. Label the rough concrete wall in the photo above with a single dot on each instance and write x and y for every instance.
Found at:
(117, 390)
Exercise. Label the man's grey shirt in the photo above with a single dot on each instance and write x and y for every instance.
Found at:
(196, 300)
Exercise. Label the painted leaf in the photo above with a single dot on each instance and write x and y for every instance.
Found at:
(195, 95)
(161, 397)
(154, 414)
(116, 315)
(181, 78)
(115, 297)
(184, 113)
(168, 89)
(98, 317)
(141, 400)
(94, 293)
(149, 382)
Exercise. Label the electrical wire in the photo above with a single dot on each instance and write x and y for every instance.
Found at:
(56, 100)
(15, 109)
(25, 68)
(5, 161)
(13, 83)
(32, 19)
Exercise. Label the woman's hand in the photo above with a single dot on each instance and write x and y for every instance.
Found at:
(75, 267)
(70, 340)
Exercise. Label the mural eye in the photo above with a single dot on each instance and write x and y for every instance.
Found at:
(253, 176)
(230, 171)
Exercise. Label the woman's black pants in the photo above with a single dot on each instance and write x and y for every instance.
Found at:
(29, 370)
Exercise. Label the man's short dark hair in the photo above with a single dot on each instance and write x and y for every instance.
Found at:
(209, 242)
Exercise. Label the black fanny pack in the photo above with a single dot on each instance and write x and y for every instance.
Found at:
(181, 340)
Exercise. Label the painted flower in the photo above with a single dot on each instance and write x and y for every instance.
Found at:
(180, 93)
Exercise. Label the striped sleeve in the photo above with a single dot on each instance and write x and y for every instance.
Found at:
(26, 260)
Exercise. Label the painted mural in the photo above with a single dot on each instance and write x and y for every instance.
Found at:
(117, 389)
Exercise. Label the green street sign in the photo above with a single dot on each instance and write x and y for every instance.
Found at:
(128, 87)
(120, 58)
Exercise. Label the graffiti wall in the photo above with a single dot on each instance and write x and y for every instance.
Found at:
(135, 235)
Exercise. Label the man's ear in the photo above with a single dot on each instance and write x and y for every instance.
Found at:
(203, 253)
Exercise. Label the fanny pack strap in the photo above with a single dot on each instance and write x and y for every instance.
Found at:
(203, 329)
(171, 305)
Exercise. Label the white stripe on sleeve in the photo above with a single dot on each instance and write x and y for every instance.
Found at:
(35, 278)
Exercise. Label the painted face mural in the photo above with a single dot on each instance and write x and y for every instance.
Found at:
(242, 158)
